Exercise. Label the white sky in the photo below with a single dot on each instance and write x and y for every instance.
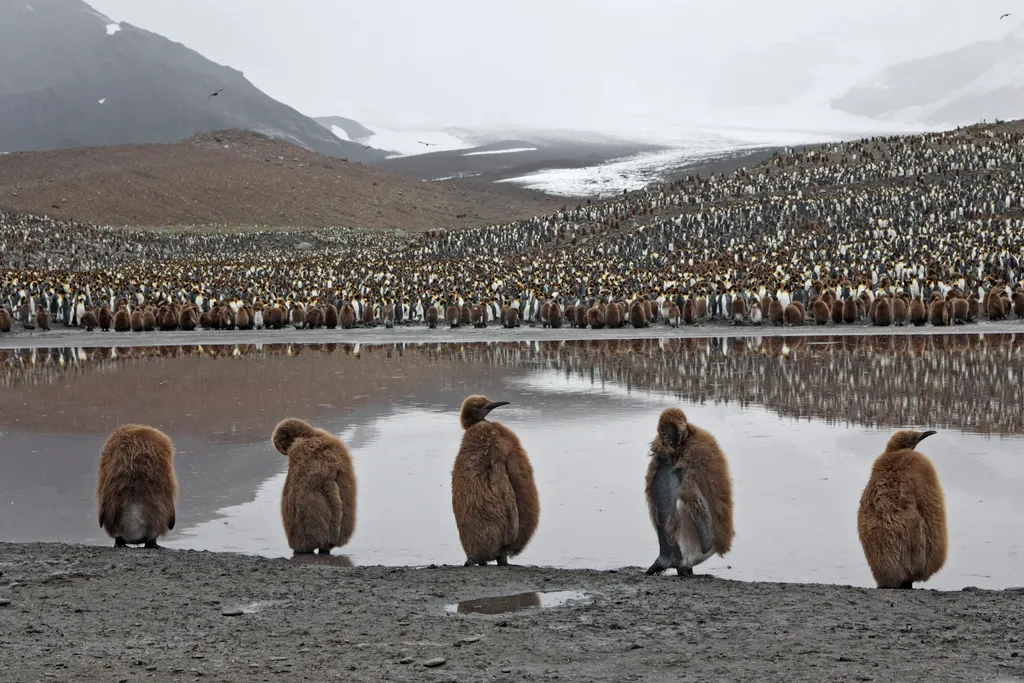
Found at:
(595, 64)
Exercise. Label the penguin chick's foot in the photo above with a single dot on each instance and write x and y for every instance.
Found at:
(502, 560)
(324, 551)
(684, 572)
(153, 545)
(119, 543)
(470, 562)
(659, 567)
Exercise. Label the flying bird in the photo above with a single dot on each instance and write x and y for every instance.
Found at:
(1005, 15)
(216, 93)
(428, 144)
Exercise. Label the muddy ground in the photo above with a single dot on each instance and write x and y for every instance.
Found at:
(81, 613)
(418, 333)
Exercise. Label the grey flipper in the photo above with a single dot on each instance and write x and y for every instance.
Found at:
(170, 523)
(664, 494)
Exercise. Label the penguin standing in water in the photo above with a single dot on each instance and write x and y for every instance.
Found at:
(494, 496)
(902, 517)
(689, 495)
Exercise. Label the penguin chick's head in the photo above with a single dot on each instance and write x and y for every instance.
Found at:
(906, 439)
(288, 431)
(476, 408)
(672, 428)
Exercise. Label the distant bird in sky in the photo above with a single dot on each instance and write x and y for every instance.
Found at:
(216, 93)
(1005, 15)
(428, 144)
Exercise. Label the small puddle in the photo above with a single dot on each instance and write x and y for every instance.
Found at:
(502, 604)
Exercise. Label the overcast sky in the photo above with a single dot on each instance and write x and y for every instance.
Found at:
(558, 63)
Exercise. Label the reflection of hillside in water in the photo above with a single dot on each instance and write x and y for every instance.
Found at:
(968, 382)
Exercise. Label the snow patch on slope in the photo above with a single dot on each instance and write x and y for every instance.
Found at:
(113, 28)
(500, 151)
(407, 142)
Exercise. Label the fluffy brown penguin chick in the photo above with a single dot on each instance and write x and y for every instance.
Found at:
(689, 495)
(494, 496)
(136, 487)
(902, 517)
(318, 503)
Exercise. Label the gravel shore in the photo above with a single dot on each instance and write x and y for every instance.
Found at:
(79, 613)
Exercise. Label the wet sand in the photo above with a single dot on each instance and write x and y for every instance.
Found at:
(420, 334)
(100, 614)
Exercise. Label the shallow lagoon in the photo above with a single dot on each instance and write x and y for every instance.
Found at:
(801, 420)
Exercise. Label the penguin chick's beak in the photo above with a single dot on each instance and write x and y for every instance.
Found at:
(925, 435)
(496, 404)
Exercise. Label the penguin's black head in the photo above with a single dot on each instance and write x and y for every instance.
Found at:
(672, 428)
(476, 408)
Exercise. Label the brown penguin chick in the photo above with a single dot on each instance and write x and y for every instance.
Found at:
(582, 316)
(318, 503)
(274, 318)
(5, 320)
(938, 313)
(638, 315)
(570, 315)
(314, 318)
(89, 321)
(169, 320)
(739, 310)
(595, 317)
(883, 312)
(899, 311)
(918, 312)
(297, 317)
(674, 314)
(821, 312)
(465, 315)
(477, 318)
(1018, 304)
(872, 308)
(555, 318)
(105, 319)
(42, 319)
(122, 321)
(995, 308)
(510, 317)
(702, 307)
(148, 320)
(369, 319)
(136, 487)
(794, 315)
(494, 496)
(613, 316)
(187, 319)
(958, 310)
(331, 317)
(242, 319)
(689, 495)
(902, 516)
(137, 321)
(690, 312)
(204, 320)
(775, 312)
(430, 316)
(850, 311)
(545, 309)
(453, 316)
(347, 317)
(387, 315)
(837, 311)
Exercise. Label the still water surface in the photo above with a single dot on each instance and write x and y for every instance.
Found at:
(801, 421)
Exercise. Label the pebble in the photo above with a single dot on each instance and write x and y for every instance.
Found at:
(436, 661)
(471, 639)
(4, 602)
(232, 612)
(406, 660)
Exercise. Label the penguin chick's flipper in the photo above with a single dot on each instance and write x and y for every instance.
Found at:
(664, 493)
(696, 505)
(170, 523)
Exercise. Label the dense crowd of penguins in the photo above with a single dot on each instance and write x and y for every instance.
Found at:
(911, 230)
(966, 382)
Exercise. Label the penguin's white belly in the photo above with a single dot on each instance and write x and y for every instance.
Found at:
(688, 540)
(133, 524)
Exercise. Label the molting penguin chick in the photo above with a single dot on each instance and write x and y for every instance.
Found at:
(902, 517)
(318, 503)
(689, 495)
(494, 496)
(136, 487)
(5, 320)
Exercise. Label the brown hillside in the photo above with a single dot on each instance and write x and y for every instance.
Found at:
(236, 178)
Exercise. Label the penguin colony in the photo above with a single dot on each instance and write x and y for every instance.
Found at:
(964, 382)
(901, 520)
(890, 231)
